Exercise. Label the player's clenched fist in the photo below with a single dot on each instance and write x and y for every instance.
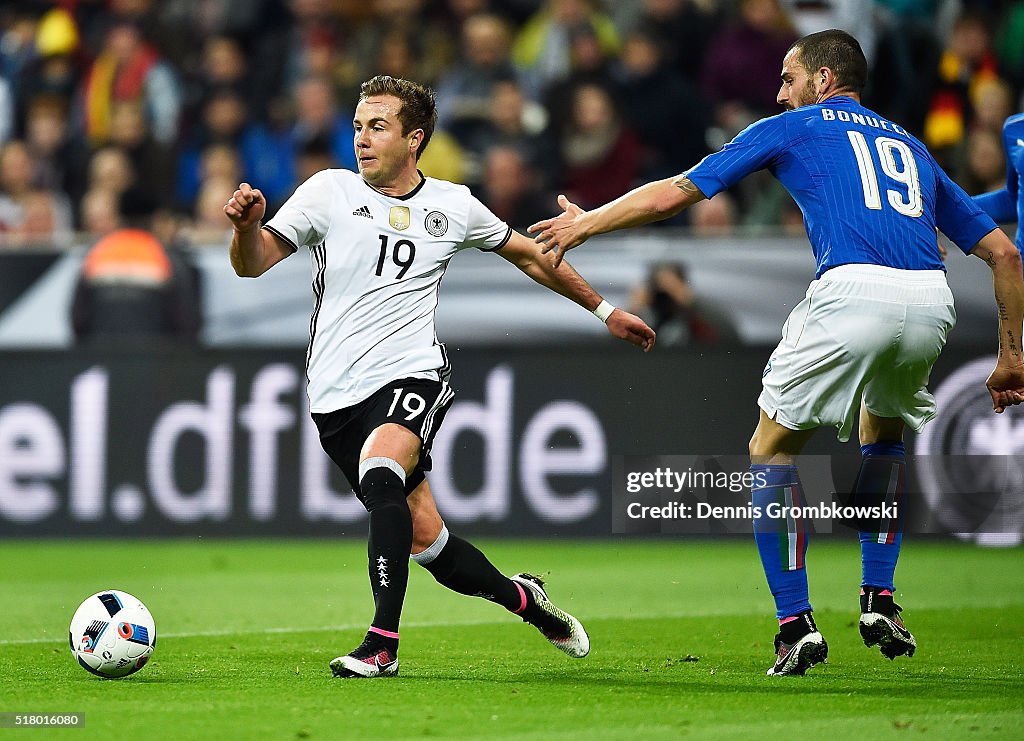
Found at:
(246, 207)
(1006, 385)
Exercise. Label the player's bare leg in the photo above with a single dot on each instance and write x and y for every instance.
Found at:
(782, 544)
(426, 520)
(457, 564)
(388, 456)
(880, 484)
(775, 443)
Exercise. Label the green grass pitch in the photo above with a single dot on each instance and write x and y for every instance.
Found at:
(681, 632)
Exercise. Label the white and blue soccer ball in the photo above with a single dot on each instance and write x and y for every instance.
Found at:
(112, 634)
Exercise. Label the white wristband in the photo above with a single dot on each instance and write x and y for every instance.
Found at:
(603, 310)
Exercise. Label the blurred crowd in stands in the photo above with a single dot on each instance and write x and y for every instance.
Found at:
(117, 113)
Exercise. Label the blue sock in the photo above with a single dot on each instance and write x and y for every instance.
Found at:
(781, 543)
(880, 481)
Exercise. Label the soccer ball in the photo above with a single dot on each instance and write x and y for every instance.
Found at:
(112, 634)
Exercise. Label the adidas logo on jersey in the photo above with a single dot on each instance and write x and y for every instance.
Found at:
(363, 211)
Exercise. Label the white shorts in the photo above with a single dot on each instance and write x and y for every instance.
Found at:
(862, 332)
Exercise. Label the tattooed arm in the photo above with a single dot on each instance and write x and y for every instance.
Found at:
(1006, 384)
(652, 202)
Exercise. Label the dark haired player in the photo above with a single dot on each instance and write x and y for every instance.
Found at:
(380, 241)
(873, 321)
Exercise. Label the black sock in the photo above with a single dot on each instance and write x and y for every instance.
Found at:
(388, 546)
(794, 630)
(463, 568)
(378, 641)
(877, 599)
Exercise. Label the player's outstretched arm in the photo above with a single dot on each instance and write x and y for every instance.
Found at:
(1001, 205)
(1006, 384)
(562, 279)
(253, 251)
(652, 202)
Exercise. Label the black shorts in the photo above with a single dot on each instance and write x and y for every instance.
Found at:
(417, 404)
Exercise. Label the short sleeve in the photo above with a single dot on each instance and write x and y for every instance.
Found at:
(484, 230)
(753, 149)
(305, 217)
(957, 215)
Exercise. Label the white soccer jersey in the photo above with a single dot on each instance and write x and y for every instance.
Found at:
(377, 264)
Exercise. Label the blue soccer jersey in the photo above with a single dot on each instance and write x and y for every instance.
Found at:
(1007, 205)
(869, 191)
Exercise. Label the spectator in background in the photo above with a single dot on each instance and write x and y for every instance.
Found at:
(966, 62)
(993, 104)
(269, 149)
(208, 214)
(268, 154)
(132, 289)
(395, 41)
(590, 64)
(714, 217)
(221, 65)
(398, 53)
(220, 166)
(663, 108)
(100, 212)
(667, 302)
(518, 123)
(741, 68)
(45, 221)
(400, 35)
(130, 69)
(984, 166)
(109, 62)
(511, 188)
(221, 161)
(741, 79)
(96, 22)
(543, 47)
(304, 37)
(464, 92)
(185, 24)
(111, 169)
(453, 14)
(57, 161)
(599, 152)
(224, 121)
(218, 71)
(29, 213)
(152, 160)
(317, 114)
(55, 68)
(680, 28)
(17, 53)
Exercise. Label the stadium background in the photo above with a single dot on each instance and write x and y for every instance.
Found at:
(137, 113)
(123, 462)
